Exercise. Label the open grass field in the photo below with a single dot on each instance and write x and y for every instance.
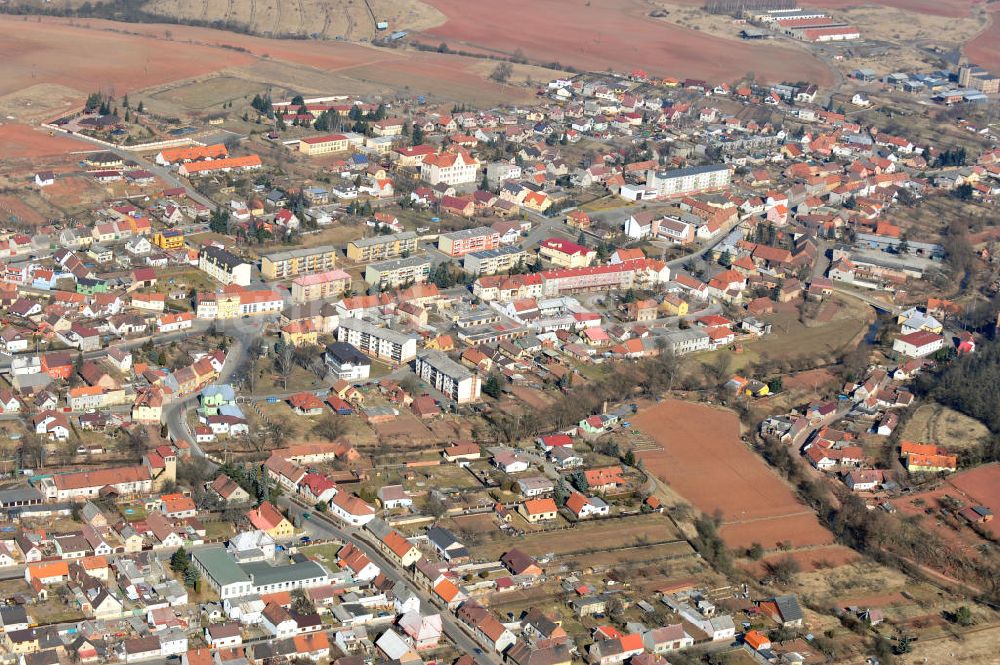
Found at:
(935, 423)
(588, 538)
(703, 460)
(146, 57)
(597, 34)
(347, 19)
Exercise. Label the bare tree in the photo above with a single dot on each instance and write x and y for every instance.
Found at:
(284, 363)
(502, 72)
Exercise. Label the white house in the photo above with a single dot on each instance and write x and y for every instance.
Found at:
(918, 344)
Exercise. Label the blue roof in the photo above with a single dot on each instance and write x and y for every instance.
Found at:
(224, 390)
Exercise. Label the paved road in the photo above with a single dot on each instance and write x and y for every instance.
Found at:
(243, 333)
(454, 630)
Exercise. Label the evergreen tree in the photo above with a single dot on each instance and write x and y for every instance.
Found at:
(180, 561)
(492, 386)
(191, 576)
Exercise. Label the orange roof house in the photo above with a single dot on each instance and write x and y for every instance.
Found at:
(46, 572)
(756, 640)
(190, 154)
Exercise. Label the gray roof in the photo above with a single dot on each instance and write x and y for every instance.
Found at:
(388, 334)
(445, 365)
(469, 233)
(19, 495)
(691, 170)
(395, 264)
(222, 257)
(292, 253)
(220, 566)
(264, 573)
(381, 240)
(789, 607)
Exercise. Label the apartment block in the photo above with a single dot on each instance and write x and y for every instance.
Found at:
(319, 286)
(447, 376)
(282, 265)
(322, 145)
(383, 343)
(379, 248)
(460, 243)
(395, 272)
(492, 261)
(692, 180)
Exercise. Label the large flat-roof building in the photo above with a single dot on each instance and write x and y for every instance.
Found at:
(453, 380)
(395, 272)
(378, 248)
(323, 145)
(382, 343)
(235, 580)
(460, 243)
(492, 261)
(691, 180)
(282, 265)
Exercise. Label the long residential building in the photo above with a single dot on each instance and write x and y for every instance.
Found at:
(282, 265)
(492, 261)
(382, 343)
(395, 272)
(624, 275)
(460, 243)
(323, 145)
(455, 381)
(80, 485)
(378, 248)
(691, 180)
(320, 285)
(225, 165)
(680, 342)
(234, 301)
(224, 266)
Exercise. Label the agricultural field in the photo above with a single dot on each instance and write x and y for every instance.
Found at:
(936, 423)
(702, 458)
(603, 33)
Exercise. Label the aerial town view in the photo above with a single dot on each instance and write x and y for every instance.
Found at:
(449, 332)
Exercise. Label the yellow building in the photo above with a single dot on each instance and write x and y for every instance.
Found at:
(23, 642)
(282, 265)
(298, 333)
(322, 145)
(674, 306)
(148, 407)
(268, 519)
(169, 239)
(228, 305)
(378, 248)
